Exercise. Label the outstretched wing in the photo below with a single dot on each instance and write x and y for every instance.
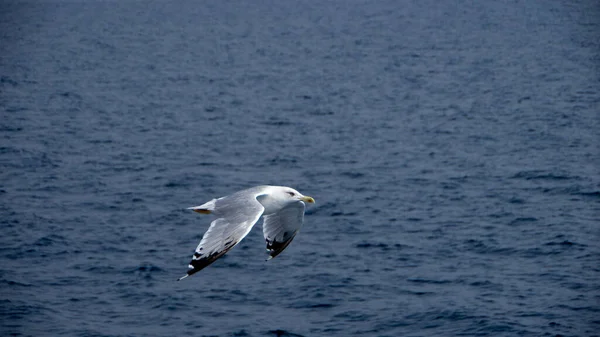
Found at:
(280, 228)
(236, 215)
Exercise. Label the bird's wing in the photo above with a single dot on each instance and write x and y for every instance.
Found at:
(236, 215)
(280, 228)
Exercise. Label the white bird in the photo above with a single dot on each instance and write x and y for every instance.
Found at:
(236, 214)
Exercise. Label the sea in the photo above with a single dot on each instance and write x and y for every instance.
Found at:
(452, 148)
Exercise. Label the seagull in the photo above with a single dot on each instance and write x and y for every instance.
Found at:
(283, 211)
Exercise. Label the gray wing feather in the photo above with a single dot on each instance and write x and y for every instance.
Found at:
(236, 215)
(280, 228)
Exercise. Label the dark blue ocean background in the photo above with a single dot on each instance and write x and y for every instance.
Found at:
(453, 149)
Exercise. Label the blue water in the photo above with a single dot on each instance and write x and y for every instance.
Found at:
(452, 148)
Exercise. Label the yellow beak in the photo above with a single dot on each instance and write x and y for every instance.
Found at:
(308, 199)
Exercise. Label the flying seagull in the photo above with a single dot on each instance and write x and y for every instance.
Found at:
(236, 214)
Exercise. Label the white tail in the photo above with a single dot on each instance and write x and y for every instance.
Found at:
(206, 208)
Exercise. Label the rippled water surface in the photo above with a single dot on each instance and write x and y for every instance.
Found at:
(452, 148)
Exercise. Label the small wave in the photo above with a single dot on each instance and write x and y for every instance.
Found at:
(541, 251)
(594, 194)
(480, 247)
(564, 243)
(379, 246)
(284, 333)
(148, 268)
(283, 160)
(521, 220)
(6, 128)
(50, 240)
(10, 283)
(312, 305)
(146, 271)
(65, 281)
(322, 305)
(450, 315)
(352, 175)
(515, 200)
(172, 184)
(353, 316)
(16, 309)
(416, 292)
(340, 213)
(94, 268)
(277, 122)
(319, 112)
(428, 281)
(542, 175)
(372, 245)
(575, 308)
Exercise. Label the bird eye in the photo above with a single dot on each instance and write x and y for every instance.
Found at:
(291, 194)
